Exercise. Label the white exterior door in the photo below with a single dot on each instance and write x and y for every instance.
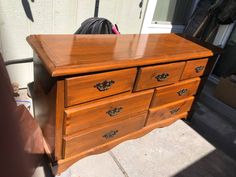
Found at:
(165, 16)
(127, 14)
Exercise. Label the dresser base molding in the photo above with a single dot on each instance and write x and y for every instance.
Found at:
(63, 164)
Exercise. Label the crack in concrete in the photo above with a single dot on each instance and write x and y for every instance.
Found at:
(118, 164)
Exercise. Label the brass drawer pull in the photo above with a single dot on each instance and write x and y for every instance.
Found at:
(110, 134)
(114, 111)
(199, 69)
(162, 77)
(182, 92)
(174, 111)
(105, 85)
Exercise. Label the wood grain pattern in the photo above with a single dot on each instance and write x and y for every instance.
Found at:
(209, 67)
(59, 122)
(147, 76)
(44, 101)
(191, 68)
(174, 92)
(76, 54)
(48, 101)
(85, 88)
(93, 114)
(82, 141)
(63, 164)
(169, 110)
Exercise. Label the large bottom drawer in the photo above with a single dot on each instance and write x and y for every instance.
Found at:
(169, 110)
(83, 141)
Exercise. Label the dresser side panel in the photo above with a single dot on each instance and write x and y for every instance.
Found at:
(46, 105)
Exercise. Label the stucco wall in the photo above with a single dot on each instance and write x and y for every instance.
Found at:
(55, 16)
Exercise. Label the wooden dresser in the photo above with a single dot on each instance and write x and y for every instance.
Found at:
(92, 92)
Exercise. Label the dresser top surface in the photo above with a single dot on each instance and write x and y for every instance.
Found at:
(76, 54)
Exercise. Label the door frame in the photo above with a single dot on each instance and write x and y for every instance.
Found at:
(162, 27)
(220, 40)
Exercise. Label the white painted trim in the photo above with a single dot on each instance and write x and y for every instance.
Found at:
(163, 28)
(223, 34)
(221, 39)
(148, 15)
(160, 27)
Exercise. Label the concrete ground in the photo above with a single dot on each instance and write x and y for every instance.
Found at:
(215, 121)
(176, 150)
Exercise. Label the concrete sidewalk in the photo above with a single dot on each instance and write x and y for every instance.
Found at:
(176, 150)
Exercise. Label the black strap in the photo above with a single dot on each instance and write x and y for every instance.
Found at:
(96, 8)
(27, 9)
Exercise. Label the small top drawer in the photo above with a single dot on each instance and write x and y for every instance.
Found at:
(94, 86)
(194, 68)
(154, 76)
(104, 111)
(175, 92)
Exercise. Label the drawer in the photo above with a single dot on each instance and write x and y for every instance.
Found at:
(194, 68)
(94, 86)
(168, 110)
(175, 92)
(154, 76)
(83, 141)
(107, 110)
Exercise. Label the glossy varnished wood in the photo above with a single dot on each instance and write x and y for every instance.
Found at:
(175, 92)
(147, 76)
(83, 117)
(79, 79)
(85, 88)
(169, 110)
(59, 119)
(75, 54)
(65, 163)
(86, 140)
(48, 100)
(194, 68)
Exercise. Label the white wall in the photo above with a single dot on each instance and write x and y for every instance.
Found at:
(50, 16)
(55, 16)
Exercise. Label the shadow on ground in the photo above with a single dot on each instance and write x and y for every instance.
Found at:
(215, 164)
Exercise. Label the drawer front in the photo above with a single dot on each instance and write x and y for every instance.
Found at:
(194, 68)
(107, 110)
(78, 143)
(94, 86)
(154, 76)
(175, 92)
(168, 110)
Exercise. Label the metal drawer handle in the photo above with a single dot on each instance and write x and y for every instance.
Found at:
(162, 77)
(174, 111)
(114, 111)
(110, 134)
(105, 85)
(199, 69)
(182, 92)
